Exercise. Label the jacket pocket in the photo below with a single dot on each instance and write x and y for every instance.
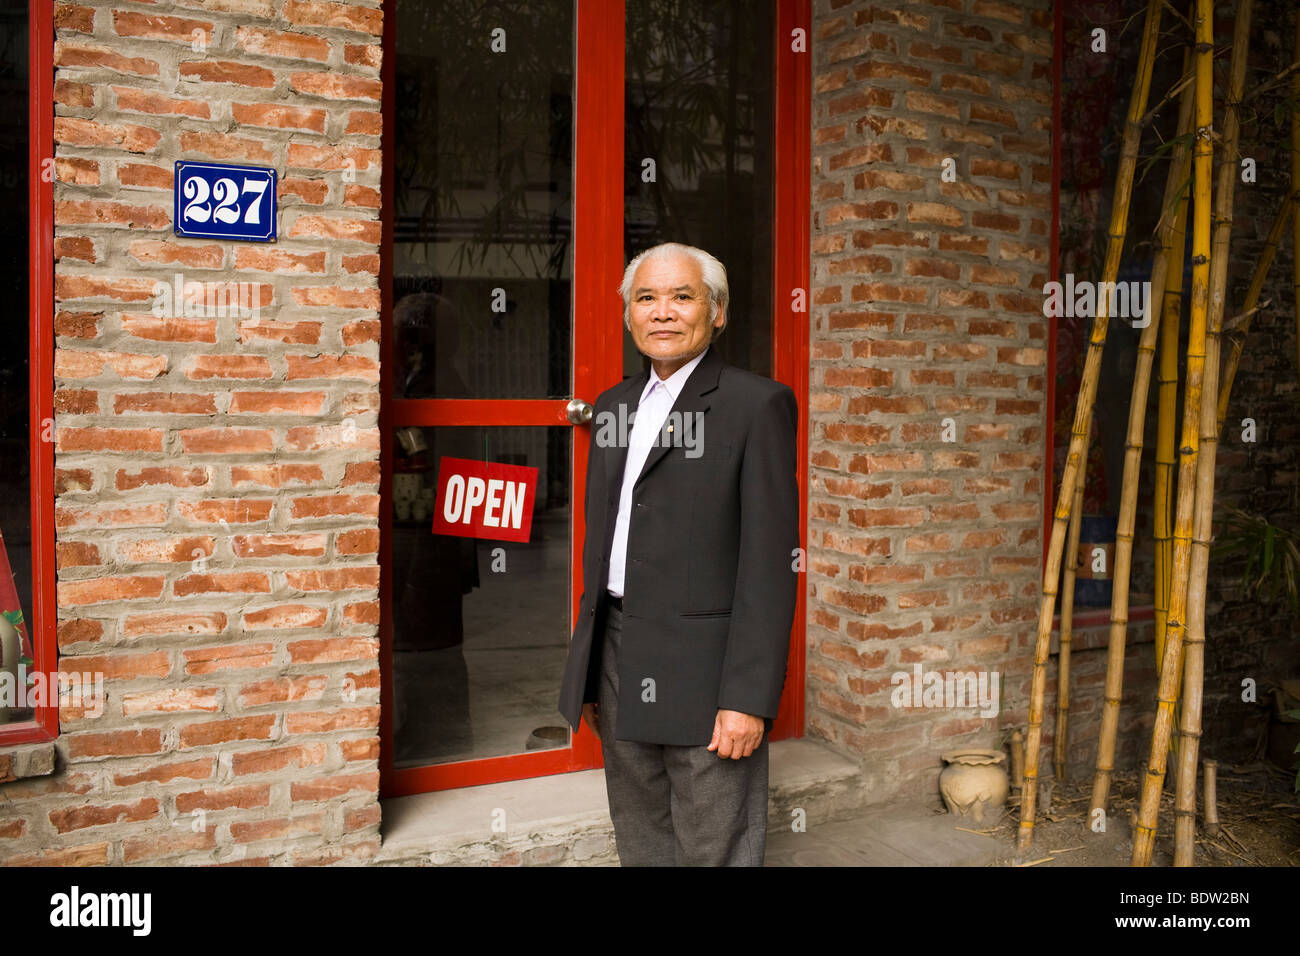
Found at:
(725, 612)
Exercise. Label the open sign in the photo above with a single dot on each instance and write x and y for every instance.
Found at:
(484, 499)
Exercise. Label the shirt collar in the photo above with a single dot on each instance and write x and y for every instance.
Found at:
(675, 381)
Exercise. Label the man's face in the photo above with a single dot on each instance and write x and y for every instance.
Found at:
(669, 312)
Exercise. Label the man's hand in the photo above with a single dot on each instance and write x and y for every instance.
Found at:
(589, 714)
(735, 735)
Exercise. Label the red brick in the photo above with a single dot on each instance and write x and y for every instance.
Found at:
(77, 818)
(76, 54)
(118, 743)
(336, 86)
(132, 100)
(207, 660)
(324, 721)
(141, 849)
(200, 769)
(326, 788)
(277, 43)
(285, 616)
(260, 727)
(333, 649)
(281, 828)
(225, 71)
(277, 759)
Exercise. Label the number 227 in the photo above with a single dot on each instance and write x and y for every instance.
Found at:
(226, 193)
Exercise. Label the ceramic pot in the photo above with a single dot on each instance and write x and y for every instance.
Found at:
(974, 785)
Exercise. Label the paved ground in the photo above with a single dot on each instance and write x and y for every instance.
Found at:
(888, 837)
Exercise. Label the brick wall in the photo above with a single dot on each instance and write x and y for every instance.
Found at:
(927, 306)
(217, 507)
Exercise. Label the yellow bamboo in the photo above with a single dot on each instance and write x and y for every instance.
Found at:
(1166, 277)
(1171, 663)
(1194, 639)
(1082, 413)
(1166, 430)
(1237, 336)
(1067, 616)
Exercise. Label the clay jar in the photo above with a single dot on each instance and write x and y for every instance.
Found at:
(974, 784)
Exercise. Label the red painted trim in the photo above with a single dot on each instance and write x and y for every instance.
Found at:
(790, 269)
(387, 75)
(598, 123)
(473, 773)
(43, 623)
(431, 412)
(1049, 441)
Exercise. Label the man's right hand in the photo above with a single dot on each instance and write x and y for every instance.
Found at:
(590, 712)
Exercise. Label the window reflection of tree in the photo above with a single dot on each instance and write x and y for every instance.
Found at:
(15, 425)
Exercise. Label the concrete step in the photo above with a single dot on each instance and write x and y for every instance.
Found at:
(563, 820)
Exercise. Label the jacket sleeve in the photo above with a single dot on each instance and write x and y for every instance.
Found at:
(758, 642)
(591, 686)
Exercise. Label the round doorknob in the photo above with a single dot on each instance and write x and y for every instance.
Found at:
(578, 411)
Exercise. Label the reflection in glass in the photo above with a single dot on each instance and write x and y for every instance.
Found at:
(15, 434)
(481, 627)
(483, 194)
(698, 152)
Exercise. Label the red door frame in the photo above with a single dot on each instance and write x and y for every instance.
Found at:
(40, 250)
(598, 352)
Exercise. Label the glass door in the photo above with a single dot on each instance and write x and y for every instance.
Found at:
(530, 148)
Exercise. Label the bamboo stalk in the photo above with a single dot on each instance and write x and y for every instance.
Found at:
(1171, 663)
(1211, 770)
(1194, 640)
(1083, 411)
(1166, 428)
(1237, 336)
(1017, 759)
(1166, 277)
(1067, 615)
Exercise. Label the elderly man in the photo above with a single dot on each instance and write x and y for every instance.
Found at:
(679, 655)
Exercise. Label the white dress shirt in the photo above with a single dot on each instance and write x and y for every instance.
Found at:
(657, 401)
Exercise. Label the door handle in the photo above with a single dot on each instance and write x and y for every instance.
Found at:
(578, 411)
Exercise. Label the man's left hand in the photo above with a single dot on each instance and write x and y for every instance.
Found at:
(736, 735)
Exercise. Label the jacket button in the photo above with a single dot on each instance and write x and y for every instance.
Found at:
(592, 612)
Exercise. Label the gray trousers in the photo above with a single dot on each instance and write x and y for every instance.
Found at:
(678, 806)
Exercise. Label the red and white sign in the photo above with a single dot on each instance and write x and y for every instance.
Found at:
(484, 499)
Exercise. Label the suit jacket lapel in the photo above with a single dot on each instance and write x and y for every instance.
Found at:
(690, 402)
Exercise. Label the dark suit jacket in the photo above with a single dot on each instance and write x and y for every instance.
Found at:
(709, 589)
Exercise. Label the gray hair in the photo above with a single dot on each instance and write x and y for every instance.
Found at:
(713, 272)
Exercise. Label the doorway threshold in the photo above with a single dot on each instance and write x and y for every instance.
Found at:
(563, 819)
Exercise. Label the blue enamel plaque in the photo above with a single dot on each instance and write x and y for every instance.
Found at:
(219, 201)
